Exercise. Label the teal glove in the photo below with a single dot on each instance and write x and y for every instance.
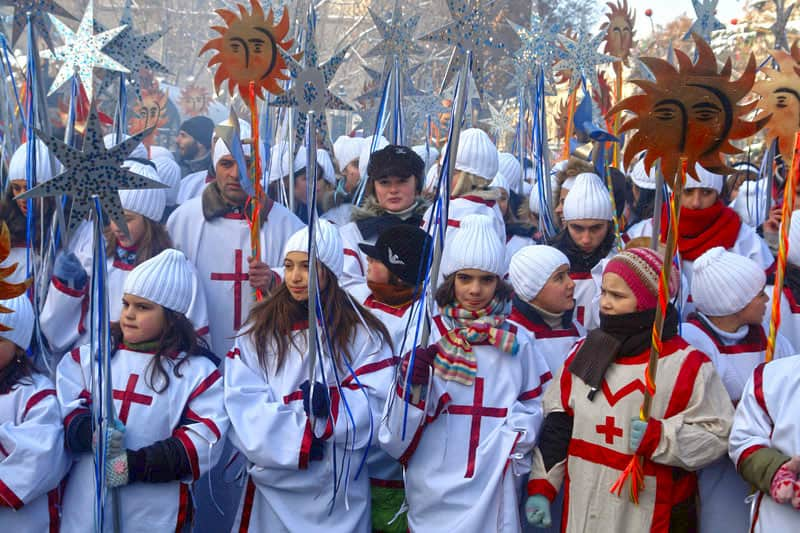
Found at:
(117, 473)
(537, 510)
(638, 428)
(115, 439)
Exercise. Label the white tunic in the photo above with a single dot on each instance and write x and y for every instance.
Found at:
(766, 417)
(355, 261)
(465, 447)
(17, 255)
(790, 317)
(554, 344)
(192, 185)
(190, 408)
(286, 491)
(32, 456)
(734, 355)
(219, 250)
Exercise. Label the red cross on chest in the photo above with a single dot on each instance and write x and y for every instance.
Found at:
(237, 277)
(477, 411)
(608, 429)
(128, 397)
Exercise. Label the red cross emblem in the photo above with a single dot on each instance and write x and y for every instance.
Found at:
(237, 277)
(609, 430)
(128, 397)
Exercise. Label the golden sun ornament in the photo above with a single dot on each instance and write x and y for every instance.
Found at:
(780, 99)
(247, 50)
(149, 112)
(194, 100)
(619, 30)
(692, 111)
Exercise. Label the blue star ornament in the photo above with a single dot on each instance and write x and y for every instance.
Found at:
(93, 172)
(538, 51)
(581, 57)
(397, 37)
(499, 122)
(778, 29)
(82, 52)
(408, 87)
(39, 11)
(706, 21)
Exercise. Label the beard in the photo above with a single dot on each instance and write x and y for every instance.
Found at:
(190, 152)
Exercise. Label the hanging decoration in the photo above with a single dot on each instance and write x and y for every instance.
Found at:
(780, 100)
(706, 22)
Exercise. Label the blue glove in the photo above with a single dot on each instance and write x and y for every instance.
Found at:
(69, 270)
(317, 449)
(322, 402)
(537, 511)
(638, 428)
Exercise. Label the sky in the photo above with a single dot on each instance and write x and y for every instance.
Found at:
(666, 10)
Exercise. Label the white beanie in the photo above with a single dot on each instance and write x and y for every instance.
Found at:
(568, 183)
(279, 161)
(531, 267)
(323, 160)
(477, 154)
(149, 203)
(169, 173)
(220, 149)
(330, 249)
(429, 155)
(511, 169)
(641, 178)
(708, 180)
(20, 320)
(500, 182)
(16, 167)
(475, 245)
(165, 279)
(346, 150)
(751, 202)
(793, 253)
(588, 199)
(533, 199)
(366, 151)
(723, 283)
(110, 141)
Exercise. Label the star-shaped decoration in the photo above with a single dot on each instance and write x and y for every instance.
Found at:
(707, 21)
(417, 109)
(778, 29)
(499, 122)
(397, 38)
(471, 30)
(408, 87)
(39, 9)
(94, 171)
(129, 49)
(538, 51)
(581, 57)
(82, 51)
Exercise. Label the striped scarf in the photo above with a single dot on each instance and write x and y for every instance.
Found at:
(455, 359)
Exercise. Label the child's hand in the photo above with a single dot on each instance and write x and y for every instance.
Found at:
(261, 276)
(115, 439)
(785, 488)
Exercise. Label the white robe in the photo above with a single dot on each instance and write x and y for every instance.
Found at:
(766, 417)
(735, 356)
(32, 457)
(355, 261)
(790, 317)
(190, 408)
(192, 185)
(465, 447)
(219, 250)
(554, 344)
(286, 491)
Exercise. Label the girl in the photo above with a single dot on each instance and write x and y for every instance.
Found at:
(592, 424)
(63, 317)
(471, 422)
(728, 292)
(392, 197)
(305, 439)
(167, 401)
(32, 456)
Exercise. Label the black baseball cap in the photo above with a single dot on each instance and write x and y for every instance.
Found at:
(403, 248)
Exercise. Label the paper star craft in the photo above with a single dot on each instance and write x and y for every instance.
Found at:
(778, 29)
(707, 21)
(397, 38)
(39, 9)
(581, 57)
(499, 123)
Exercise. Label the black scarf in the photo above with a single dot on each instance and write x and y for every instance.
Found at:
(371, 227)
(530, 312)
(579, 260)
(617, 337)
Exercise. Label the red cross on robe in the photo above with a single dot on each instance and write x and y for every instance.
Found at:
(237, 277)
(128, 397)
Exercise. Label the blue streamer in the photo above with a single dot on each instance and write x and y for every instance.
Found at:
(379, 124)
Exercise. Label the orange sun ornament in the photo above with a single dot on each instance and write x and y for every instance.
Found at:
(619, 30)
(692, 111)
(150, 111)
(780, 99)
(194, 100)
(8, 290)
(247, 50)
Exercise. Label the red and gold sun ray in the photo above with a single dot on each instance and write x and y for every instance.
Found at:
(780, 99)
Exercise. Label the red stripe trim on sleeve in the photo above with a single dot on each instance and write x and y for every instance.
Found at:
(233, 354)
(9, 497)
(543, 487)
(354, 254)
(205, 385)
(684, 384)
(191, 451)
(203, 331)
(651, 438)
(305, 447)
(535, 393)
(293, 397)
(58, 284)
(566, 382)
(205, 421)
(747, 453)
(36, 398)
(184, 508)
(76, 355)
(247, 506)
(53, 503)
(758, 389)
(368, 369)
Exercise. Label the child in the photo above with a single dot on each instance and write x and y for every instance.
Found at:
(167, 400)
(472, 421)
(728, 292)
(790, 298)
(592, 424)
(305, 442)
(544, 302)
(32, 456)
(765, 444)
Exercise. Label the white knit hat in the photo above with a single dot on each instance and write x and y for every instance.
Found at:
(533, 199)
(531, 267)
(346, 150)
(366, 151)
(708, 180)
(323, 160)
(278, 161)
(500, 182)
(477, 154)
(429, 155)
(110, 141)
(165, 279)
(511, 169)
(330, 249)
(642, 178)
(588, 199)
(147, 202)
(20, 321)
(475, 246)
(16, 167)
(751, 202)
(723, 283)
(568, 183)
(220, 149)
(169, 173)
(793, 254)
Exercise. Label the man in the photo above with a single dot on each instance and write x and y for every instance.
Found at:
(194, 145)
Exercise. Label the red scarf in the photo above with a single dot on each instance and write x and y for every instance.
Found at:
(702, 229)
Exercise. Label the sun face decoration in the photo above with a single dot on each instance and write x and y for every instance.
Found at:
(194, 101)
(561, 116)
(8, 290)
(690, 112)
(619, 30)
(780, 99)
(247, 50)
(150, 111)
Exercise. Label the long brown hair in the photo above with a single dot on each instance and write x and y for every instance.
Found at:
(17, 221)
(446, 293)
(270, 321)
(18, 370)
(154, 241)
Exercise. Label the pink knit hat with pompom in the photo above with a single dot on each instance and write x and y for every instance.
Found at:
(640, 268)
